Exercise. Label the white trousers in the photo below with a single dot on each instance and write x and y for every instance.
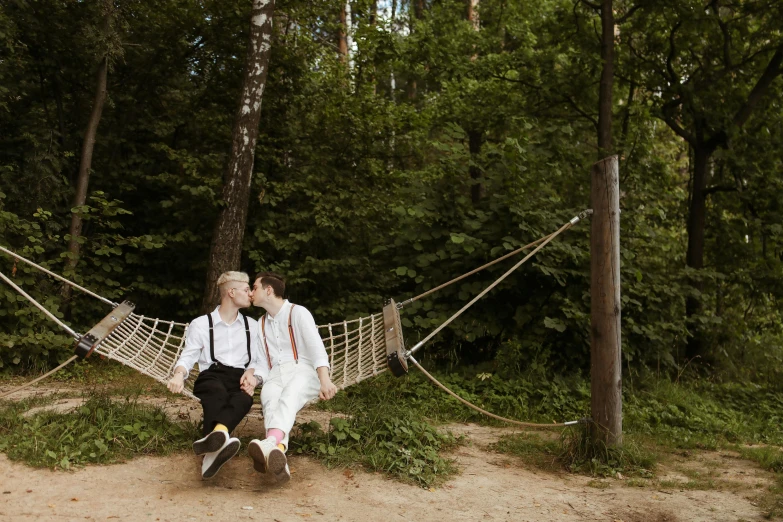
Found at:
(289, 387)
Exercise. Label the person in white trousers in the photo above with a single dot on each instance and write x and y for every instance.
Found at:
(296, 371)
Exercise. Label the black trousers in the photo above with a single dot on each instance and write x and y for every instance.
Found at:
(222, 400)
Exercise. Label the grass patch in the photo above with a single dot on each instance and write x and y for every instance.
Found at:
(770, 459)
(532, 448)
(386, 430)
(101, 431)
(110, 377)
(407, 449)
(581, 454)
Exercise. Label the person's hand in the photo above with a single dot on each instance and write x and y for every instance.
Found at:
(177, 383)
(248, 382)
(328, 389)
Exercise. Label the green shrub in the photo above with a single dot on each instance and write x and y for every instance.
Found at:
(406, 448)
(101, 431)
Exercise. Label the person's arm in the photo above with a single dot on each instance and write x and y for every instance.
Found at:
(328, 389)
(193, 345)
(315, 351)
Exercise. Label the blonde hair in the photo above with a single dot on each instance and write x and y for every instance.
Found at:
(231, 277)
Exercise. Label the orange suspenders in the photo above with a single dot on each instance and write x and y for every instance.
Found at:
(290, 334)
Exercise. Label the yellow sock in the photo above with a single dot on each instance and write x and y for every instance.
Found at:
(220, 427)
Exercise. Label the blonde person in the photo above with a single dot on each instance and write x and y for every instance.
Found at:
(294, 371)
(225, 345)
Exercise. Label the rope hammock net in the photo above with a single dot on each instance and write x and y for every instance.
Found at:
(358, 349)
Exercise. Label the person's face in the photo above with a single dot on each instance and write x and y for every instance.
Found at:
(260, 294)
(240, 294)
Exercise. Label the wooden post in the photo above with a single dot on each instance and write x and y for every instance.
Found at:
(605, 358)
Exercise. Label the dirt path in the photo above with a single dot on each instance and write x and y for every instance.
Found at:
(490, 487)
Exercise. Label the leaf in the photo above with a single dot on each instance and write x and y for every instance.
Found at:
(555, 324)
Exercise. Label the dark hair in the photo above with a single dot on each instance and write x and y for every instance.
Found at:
(276, 281)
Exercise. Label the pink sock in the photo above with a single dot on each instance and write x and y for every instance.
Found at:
(276, 433)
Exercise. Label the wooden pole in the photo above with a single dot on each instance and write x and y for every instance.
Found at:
(605, 339)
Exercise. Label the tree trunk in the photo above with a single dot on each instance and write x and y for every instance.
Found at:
(342, 39)
(607, 80)
(697, 217)
(473, 14)
(605, 331)
(697, 212)
(226, 249)
(373, 21)
(85, 163)
(418, 14)
(475, 141)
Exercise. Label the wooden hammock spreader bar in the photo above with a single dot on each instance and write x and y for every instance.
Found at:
(89, 341)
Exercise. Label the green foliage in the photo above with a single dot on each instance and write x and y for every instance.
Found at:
(386, 441)
(705, 415)
(581, 453)
(385, 424)
(100, 431)
(768, 457)
(364, 178)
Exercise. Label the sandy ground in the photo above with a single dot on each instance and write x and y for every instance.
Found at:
(490, 486)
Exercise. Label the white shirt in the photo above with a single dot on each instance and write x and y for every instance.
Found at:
(230, 343)
(309, 344)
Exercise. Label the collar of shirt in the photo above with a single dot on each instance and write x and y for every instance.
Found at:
(277, 337)
(284, 312)
(216, 318)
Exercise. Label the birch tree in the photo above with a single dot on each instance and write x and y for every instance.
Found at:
(226, 246)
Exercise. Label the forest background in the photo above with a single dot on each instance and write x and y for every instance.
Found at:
(401, 144)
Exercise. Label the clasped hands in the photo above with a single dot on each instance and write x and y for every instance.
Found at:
(247, 382)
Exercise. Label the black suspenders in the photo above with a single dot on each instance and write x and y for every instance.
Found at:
(212, 340)
(247, 334)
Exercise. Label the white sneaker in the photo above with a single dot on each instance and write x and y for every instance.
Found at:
(214, 460)
(212, 442)
(267, 457)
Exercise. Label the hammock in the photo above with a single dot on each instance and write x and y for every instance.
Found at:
(358, 349)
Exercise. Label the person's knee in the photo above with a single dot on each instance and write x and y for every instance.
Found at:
(244, 400)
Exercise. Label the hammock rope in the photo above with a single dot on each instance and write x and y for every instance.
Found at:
(58, 277)
(42, 308)
(544, 242)
(358, 349)
(488, 414)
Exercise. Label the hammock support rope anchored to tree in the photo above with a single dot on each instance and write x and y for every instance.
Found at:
(358, 349)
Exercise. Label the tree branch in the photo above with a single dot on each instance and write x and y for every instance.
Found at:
(726, 36)
(667, 115)
(628, 14)
(772, 71)
(719, 188)
(595, 7)
(573, 104)
(669, 67)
